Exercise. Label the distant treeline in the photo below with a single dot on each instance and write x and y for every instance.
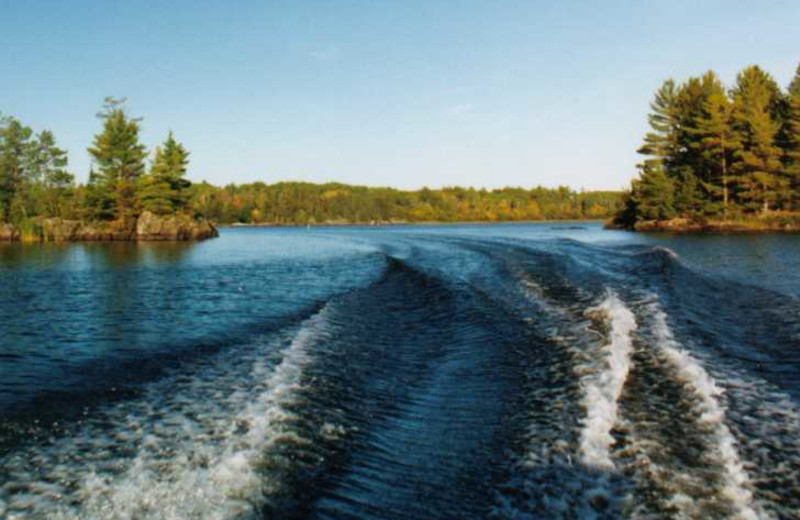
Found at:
(718, 153)
(301, 203)
(35, 182)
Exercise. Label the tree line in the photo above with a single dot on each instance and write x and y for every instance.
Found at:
(125, 180)
(295, 203)
(713, 152)
(35, 181)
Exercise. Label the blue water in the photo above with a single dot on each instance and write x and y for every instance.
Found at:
(466, 371)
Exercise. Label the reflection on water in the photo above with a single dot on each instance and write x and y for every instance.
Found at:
(109, 254)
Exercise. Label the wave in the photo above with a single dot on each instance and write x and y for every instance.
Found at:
(192, 447)
(473, 379)
(697, 381)
(604, 381)
(566, 470)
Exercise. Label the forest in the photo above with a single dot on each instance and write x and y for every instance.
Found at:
(333, 203)
(719, 153)
(125, 180)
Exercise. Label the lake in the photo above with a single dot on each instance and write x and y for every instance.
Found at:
(549, 370)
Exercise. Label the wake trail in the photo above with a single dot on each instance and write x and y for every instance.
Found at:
(604, 380)
(207, 446)
(698, 382)
(568, 469)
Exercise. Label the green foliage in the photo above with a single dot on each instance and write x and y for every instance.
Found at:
(661, 144)
(300, 203)
(758, 169)
(50, 179)
(98, 199)
(717, 143)
(654, 195)
(165, 190)
(156, 195)
(792, 130)
(15, 146)
(722, 152)
(33, 175)
(119, 157)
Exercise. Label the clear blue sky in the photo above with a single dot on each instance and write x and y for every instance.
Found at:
(402, 93)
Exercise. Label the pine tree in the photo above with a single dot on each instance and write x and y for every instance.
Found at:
(690, 105)
(119, 157)
(15, 144)
(156, 195)
(758, 167)
(653, 195)
(99, 198)
(661, 144)
(688, 168)
(793, 137)
(49, 165)
(688, 197)
(165, 189)
(717, 142)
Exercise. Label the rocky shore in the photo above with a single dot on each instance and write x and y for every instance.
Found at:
(781, 223)
(147, 227)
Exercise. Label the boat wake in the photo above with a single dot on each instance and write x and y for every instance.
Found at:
(476, 378)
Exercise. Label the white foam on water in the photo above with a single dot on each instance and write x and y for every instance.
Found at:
(695, 378)
(602, 384)
(198, 453)
(566, 471)
(672, 254)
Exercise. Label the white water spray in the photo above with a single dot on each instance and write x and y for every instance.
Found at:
(698, 381)
(603, 386)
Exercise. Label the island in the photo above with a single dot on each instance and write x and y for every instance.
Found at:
(719, 160)
(123, 200)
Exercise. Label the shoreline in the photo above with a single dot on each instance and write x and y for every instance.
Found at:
(405, 223)
(769, 224)
(147, 227)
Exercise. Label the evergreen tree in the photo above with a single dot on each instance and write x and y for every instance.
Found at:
(99, 198)
(759, 176)
(717, 143)
(156, 195)
(690, 105)
(793, 138)
(15, 144)
(661, 143)
(49, 167)
(661, 146)
(653, 195)
(165, 189)
(119, 157)
(688, 197)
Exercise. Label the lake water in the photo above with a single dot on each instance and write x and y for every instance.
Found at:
(445, 372)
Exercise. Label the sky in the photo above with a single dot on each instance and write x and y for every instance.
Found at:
(392, 93)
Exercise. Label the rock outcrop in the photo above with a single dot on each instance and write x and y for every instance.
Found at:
(59, 230)
(147, 226)
(758, 224)
(175, 227)
(8, 233)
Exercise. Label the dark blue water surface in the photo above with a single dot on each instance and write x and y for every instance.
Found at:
(446, 372)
